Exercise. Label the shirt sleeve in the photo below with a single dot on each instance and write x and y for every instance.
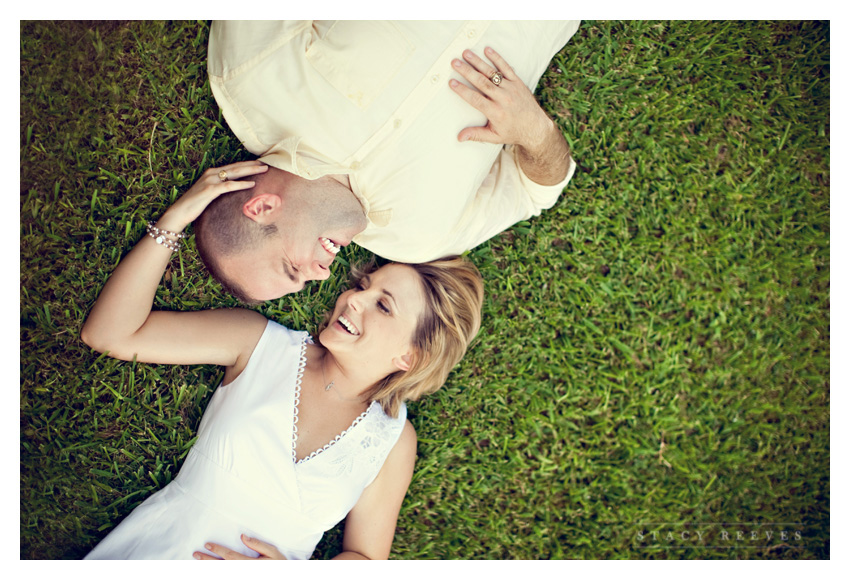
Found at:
(506, 196)
(235, 44)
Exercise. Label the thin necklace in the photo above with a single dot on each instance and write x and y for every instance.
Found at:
(330, 385)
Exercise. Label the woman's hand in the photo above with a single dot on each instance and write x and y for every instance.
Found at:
(208, 187)
(514, 117)
(121, 321)
(266, 551)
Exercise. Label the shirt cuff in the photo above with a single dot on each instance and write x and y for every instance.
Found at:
(543, 196)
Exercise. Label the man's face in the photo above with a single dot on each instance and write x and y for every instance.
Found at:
(281, 264)
(314, 221)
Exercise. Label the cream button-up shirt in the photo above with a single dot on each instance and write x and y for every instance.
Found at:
(371, 101)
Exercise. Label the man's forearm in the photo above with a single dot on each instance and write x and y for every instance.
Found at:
(548, 161)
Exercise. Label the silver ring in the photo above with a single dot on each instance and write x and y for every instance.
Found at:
(496, 78)
(222, 175)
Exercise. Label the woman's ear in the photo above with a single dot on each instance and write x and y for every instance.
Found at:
(403, 362)
(260, 206)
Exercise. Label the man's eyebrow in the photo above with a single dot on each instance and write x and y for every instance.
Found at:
(287, 269)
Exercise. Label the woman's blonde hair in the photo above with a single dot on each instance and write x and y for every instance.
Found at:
(454, 293)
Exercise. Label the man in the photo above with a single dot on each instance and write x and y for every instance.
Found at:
(365, 127)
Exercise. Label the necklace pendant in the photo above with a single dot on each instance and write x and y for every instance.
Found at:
(328, 387)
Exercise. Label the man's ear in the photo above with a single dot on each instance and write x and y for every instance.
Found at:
(261, 206)
(403, 362)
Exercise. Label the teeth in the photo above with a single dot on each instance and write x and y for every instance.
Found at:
(329, 246)
(348, 326)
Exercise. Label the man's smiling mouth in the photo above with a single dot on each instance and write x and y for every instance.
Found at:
(329, 246)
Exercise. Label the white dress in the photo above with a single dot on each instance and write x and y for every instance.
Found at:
(241, 476)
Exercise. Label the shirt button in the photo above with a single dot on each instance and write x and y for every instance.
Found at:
(471, 33)
(397, 123)
(434, 79)
(355, 165)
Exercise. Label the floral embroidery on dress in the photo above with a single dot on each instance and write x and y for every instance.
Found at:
(377, 439)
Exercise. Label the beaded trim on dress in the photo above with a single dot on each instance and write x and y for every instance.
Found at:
(302, 362)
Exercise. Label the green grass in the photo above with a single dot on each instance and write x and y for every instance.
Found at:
(655, 348)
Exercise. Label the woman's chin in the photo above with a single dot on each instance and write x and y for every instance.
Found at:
(329, 339)
(324, 336)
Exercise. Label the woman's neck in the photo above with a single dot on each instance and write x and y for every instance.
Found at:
(348, 382)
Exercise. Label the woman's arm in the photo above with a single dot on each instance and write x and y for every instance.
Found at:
(121, 322)
(370, 525)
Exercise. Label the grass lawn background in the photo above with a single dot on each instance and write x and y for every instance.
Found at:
(655, 348)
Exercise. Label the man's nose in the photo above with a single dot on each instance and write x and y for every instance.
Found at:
(320, 272)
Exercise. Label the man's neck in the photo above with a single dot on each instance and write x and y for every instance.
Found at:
(329, 198)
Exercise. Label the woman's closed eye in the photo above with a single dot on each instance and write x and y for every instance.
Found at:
(363, 284)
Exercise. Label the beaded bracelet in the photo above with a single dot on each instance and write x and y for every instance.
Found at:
(156, 230)
(161, 237)
(163, 241)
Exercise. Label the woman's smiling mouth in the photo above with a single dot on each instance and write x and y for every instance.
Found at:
(348, 325)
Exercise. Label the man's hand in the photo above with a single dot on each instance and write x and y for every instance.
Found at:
(514, 117)
(266, 551)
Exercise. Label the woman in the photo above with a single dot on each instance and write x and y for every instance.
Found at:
(299, 435)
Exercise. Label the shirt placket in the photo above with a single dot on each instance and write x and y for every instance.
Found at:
(424, 92)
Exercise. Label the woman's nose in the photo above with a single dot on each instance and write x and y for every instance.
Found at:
(354, 301)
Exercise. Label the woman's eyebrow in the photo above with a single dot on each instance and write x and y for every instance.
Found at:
(388, 293)
(368, 280)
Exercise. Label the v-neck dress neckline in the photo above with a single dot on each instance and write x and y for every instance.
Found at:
(297, 399)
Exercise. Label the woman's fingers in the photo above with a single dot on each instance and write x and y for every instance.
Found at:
(229, 186)
(249, 163)
(222, 552)
(213, 183)
(217, 181)
(265, 549)
(243, 168)
(235, 171)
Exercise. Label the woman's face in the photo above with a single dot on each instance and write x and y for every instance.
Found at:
(376, 319)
